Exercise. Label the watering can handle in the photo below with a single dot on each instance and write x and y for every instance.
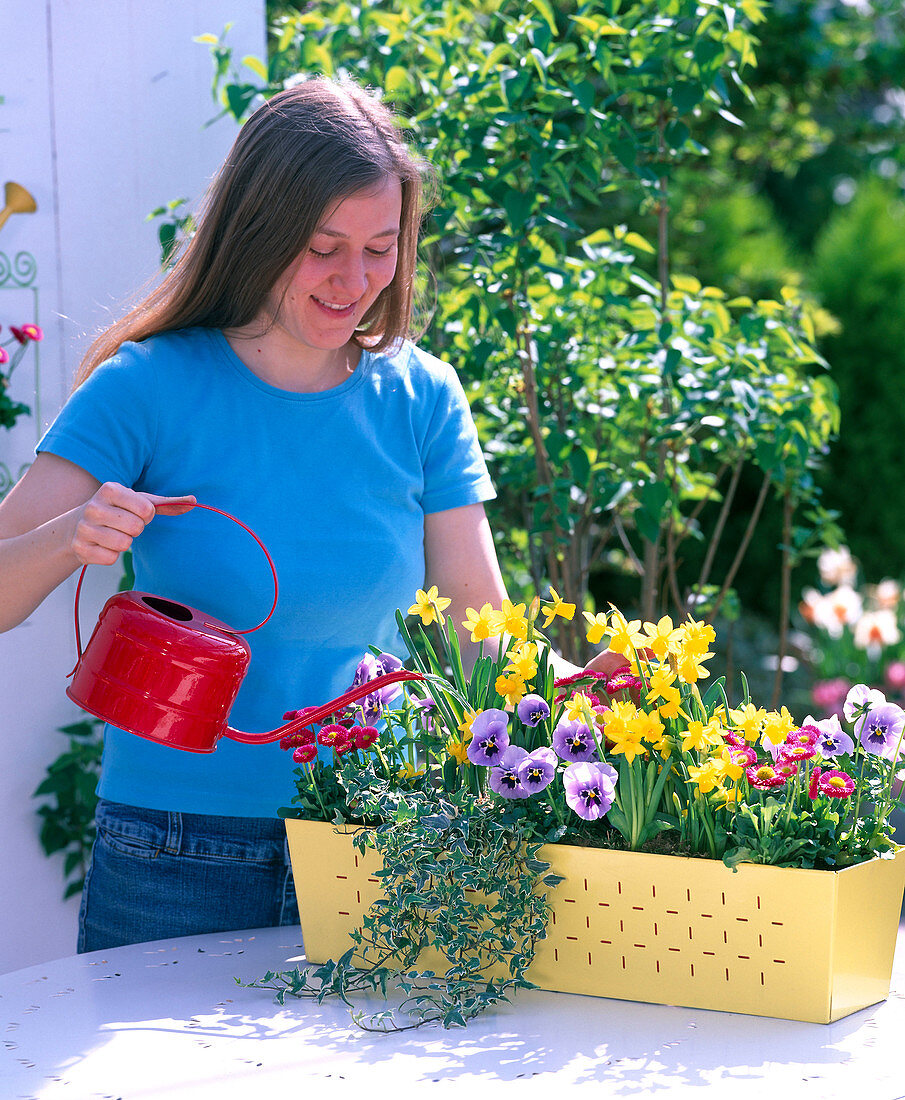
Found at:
(250, 630)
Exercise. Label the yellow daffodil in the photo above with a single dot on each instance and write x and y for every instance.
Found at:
(624, 636)
(560, 607)
(729, 767)
(512, 688)
(485, 623)
(697, 638)
(705, 776)
(596, 626)
(618, 719)
(694, 737)
(748, 720)
(429, 605)
(514, 621)
(409, 771)
(649, 728)
(525, 651)
(777, 726)
(465, 725)
(691, 669)
(700, 737)
(725, 796)
(458, 751)
(522, 665)
(578, 707)
(659, 680)
(628, 743)
(662, 639)
(671, 707)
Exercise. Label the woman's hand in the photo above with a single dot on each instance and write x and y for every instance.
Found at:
(106, 524)
(606, 662)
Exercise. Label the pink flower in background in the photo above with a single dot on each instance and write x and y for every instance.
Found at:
(895, 675)
(26, 332)
(829, 695)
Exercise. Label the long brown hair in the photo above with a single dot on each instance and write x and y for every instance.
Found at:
(298, 154)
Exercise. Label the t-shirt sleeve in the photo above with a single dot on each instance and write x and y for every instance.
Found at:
(455, 473)
(109, 424)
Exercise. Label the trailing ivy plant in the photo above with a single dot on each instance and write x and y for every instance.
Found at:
(456, 879)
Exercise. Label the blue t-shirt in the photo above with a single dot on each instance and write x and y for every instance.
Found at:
(335, 484)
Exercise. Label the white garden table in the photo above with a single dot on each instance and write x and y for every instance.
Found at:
(166, 1020)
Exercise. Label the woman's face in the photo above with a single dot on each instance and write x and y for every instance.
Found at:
(321, 299)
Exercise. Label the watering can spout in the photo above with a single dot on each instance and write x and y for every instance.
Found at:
(313, 715)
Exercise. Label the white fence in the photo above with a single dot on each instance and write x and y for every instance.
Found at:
(102, 120)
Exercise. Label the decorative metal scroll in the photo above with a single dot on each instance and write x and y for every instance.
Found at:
(19, 272)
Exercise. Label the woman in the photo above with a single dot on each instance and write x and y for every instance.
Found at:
(267, 376)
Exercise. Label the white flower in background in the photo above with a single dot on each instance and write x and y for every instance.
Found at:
(810, 600)
(837, 567)
(841, 607)
(876, 629)
(887, 594)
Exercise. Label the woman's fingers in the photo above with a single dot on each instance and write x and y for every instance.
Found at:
(108, 523)
(172, 506)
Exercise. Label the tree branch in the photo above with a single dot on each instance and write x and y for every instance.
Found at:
(742, 548)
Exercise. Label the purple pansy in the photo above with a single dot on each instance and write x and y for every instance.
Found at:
(387, 662)
(427, 708)
(489, 737)
(533, 710)
(859, 700)
(369, 668)
(880, 730)
(589, 789)
(504, 778)
(573, 741)
(537, 769)
(832, 740)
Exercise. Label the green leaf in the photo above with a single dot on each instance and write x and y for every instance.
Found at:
(547, 12)
(257, 66)
(518, 206)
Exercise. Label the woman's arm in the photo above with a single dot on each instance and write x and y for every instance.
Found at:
(461, 561)
(59, 517)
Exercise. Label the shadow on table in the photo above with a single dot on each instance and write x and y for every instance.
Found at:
(636, 1049)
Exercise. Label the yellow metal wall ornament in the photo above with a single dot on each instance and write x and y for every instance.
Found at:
(18, 201)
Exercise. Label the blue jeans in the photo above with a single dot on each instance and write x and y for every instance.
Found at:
(156, 874)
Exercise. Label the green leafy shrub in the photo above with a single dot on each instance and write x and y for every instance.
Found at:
(67, 813)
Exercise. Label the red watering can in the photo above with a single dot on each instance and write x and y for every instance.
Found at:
(170, 673)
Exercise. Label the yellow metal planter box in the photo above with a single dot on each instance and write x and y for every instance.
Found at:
(767, 941)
